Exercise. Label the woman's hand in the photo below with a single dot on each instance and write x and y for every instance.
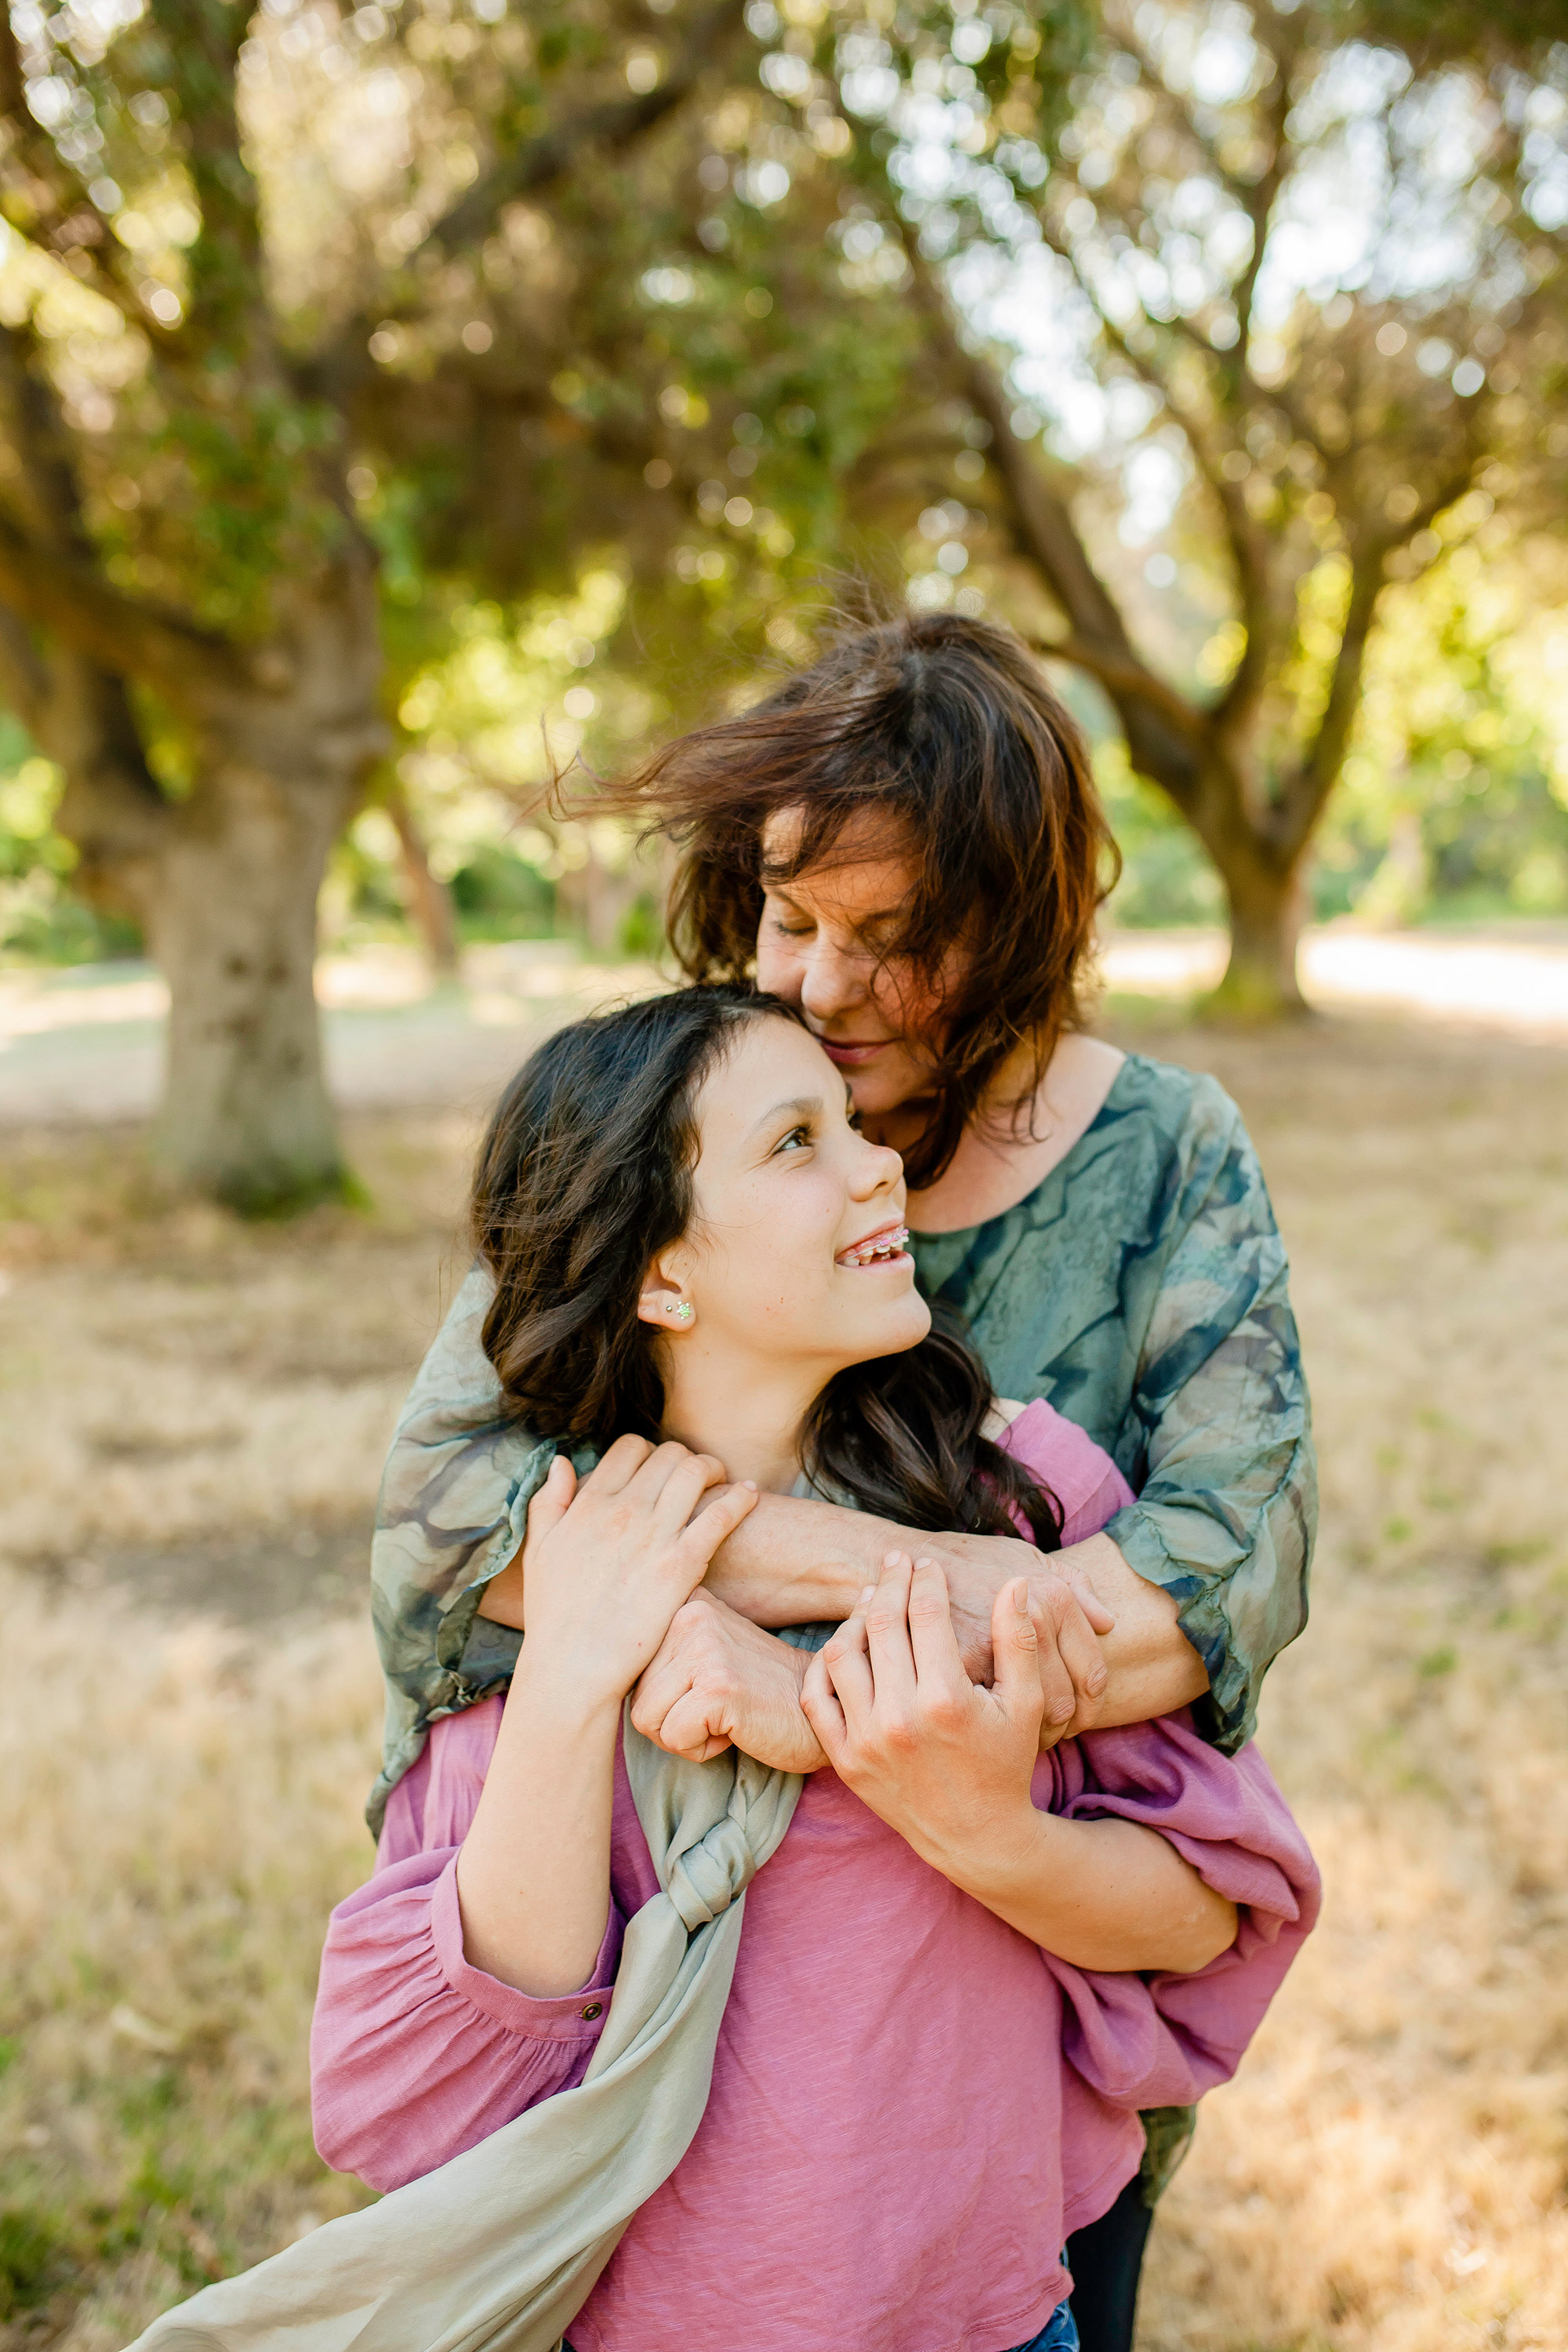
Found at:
(719, 1681)
(948, 1765)
(795, 1560)
(942, 1760)
(608, 1563)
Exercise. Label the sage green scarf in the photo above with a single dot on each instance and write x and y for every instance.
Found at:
(502, 2247)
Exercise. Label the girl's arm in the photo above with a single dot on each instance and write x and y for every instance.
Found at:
(416, 2055)
(609, 1564)
(950, 1767)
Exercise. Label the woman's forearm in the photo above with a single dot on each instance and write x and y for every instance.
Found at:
(1107, 1894)
(794, 1561)
(533, 1875)
(1151, 1667)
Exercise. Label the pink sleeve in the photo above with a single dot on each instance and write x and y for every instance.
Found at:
(414, 2054)
(1082, 1477)
(1163, 2039)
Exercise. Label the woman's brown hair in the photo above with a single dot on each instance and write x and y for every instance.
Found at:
(947, 729)
(585, 1174)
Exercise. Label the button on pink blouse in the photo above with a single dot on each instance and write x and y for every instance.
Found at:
(912, 2106)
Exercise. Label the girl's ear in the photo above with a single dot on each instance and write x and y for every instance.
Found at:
(663, 1301)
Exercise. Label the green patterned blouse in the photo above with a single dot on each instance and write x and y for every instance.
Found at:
(1140, 1287)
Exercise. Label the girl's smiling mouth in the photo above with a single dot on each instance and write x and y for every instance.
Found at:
(885, 1246)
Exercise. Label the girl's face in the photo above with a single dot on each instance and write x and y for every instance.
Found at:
(821, 945)
(795, 1247)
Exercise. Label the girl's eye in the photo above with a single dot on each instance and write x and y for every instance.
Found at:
(796, 1140)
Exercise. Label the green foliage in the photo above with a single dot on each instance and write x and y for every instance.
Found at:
(1165, 876)
(1456, 794)
(498, 894)
(35, 2258)
(40, 920)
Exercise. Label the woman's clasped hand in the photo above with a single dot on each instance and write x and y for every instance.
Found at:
(951, 1764)
(942, 1759)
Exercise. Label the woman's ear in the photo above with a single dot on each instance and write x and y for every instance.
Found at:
(663, 1301)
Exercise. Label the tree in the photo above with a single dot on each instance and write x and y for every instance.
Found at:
(1333, 410)
(191, 623)
(319, 324)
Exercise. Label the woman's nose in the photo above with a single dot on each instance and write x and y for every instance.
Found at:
(831, 982)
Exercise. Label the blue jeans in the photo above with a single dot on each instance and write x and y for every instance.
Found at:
(1057, 2334)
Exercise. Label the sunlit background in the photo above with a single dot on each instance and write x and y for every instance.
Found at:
(404, 407)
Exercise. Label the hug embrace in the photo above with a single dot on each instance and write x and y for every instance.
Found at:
(825, 1574)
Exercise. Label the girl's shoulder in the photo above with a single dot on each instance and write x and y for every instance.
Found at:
(1081, 1474)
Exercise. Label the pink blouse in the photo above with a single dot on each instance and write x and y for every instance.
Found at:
(912, 2106)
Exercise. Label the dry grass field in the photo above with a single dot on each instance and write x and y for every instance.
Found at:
(192, 1420)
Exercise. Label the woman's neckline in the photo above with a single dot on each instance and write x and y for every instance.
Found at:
(1017, 1172)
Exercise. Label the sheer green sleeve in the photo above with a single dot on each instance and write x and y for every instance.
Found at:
(1219, 1422)
(453, 1509)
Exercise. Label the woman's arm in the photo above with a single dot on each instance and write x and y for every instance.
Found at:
(795, 1561)
(948, 1765)
(1217, 1436)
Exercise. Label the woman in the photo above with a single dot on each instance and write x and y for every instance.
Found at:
(934, 2033)
(906, 843)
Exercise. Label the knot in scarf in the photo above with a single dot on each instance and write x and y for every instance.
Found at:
(710, 1875)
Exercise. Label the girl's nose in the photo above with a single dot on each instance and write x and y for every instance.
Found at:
(879, 1170)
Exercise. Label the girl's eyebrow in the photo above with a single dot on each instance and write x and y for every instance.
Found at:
(796, 1106)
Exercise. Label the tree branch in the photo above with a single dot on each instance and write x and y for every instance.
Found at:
(1166, 736)
(1255, 198)
(539, 163)
(1129, 681)
(49, 572)
(1243, 541)
(228, 300)
(1319, 770)
(68, 596)
(49, 175)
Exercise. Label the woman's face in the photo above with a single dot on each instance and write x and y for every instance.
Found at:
(795, 1248)
(821, 945)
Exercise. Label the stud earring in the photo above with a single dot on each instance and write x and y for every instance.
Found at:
(680, 1307)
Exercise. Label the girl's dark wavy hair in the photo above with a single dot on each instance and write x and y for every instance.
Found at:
(948, 728)
(586, 1173)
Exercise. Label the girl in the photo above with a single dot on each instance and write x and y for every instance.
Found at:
(966, 1966)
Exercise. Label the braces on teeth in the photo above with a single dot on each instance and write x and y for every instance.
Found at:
(888, 1245)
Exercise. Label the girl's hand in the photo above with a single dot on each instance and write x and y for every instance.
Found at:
(607, 1563)
(943, 1761)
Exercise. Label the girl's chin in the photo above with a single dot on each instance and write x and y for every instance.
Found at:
(897, 1326)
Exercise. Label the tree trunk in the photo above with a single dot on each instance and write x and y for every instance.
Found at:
(1267, 911)
(232, 924)
(228, 881)
(429, 900)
